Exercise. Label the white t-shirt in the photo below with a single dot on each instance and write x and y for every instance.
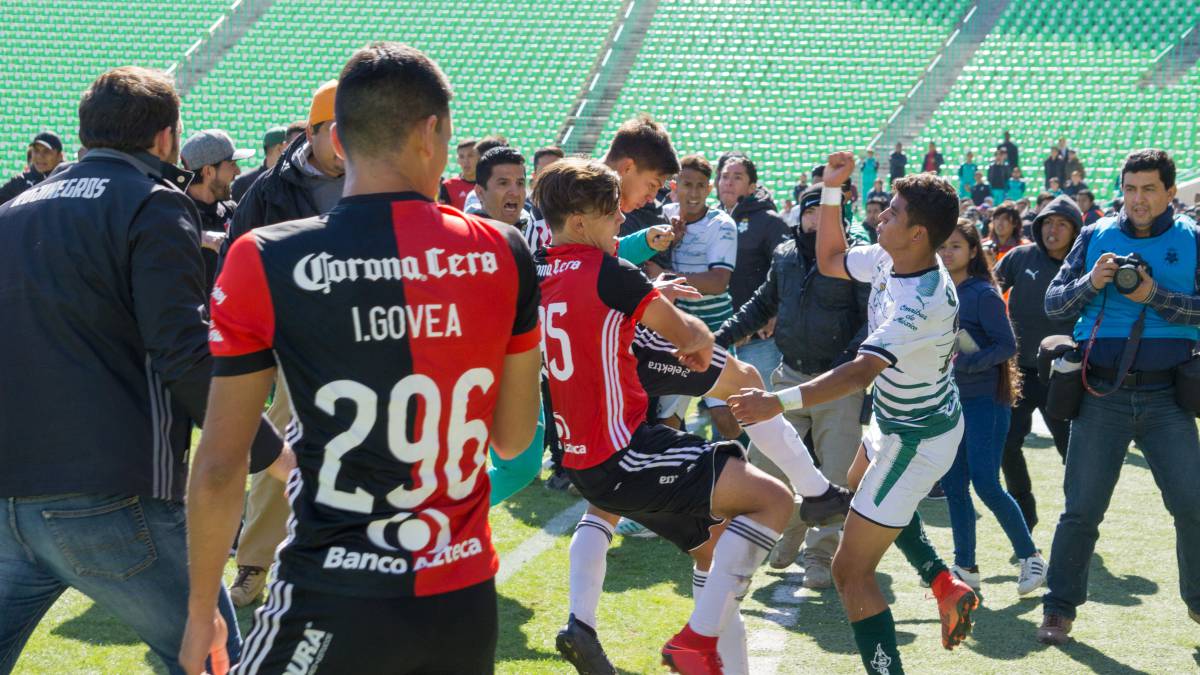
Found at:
(708, 243)
(912, 322)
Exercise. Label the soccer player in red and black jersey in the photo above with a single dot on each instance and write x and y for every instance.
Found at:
(407, 336)
(602, 365)
(454, 191)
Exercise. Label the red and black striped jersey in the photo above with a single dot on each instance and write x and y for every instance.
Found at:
(390, 319)
(590, 303)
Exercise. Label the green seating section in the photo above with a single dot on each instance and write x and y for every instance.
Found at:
(51, 50)
(515, 66)
(1052, 69)
(785, 81)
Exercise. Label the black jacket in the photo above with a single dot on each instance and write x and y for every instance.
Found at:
(1054, 168)
(243, 182)
(821, 320)
(277, 196)
(896, 163)
(215, 217)
(998, 175)
(760, 230)
(103, 348)
(20, 183)
(1027, 270)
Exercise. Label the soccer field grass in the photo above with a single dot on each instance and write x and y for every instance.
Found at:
(1134, 621)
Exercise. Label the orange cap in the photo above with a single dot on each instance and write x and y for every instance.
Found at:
(321, 109)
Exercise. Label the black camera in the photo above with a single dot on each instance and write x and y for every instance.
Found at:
(1127, 278)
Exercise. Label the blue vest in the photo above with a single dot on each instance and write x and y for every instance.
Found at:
(1172, 259)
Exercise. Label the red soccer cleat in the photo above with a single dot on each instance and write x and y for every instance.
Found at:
(689, 653)
(956, 600)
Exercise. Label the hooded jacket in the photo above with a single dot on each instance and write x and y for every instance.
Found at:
(760, 230)
(1027, 270)
(821, 320)
(281, 194)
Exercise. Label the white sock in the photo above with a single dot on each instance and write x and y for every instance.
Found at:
(731, 643)
(778, 440)
(589, 547)
(741, 549)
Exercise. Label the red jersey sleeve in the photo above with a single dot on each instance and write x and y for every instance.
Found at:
(624, 287)
(243, 327)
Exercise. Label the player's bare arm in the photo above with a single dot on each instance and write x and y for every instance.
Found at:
(689, 334)
(831, 239)
(515, 418)
(214, 498)
(755, 405)
(712, 282)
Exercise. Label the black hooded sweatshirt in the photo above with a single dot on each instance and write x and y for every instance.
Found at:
(760, 230)
(1028, 270)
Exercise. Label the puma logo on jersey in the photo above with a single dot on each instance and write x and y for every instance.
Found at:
(1032, 273)
(309, 651)
(320, 271)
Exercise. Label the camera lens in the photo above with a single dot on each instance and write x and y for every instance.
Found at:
(1127, 279)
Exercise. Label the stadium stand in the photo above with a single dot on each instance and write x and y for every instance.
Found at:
(515, 66)
(769, 81)
(52, 50)
(1072, 69)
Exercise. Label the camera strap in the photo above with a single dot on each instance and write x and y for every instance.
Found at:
(1127, 356)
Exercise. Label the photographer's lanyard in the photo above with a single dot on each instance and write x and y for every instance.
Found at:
(1127, 356)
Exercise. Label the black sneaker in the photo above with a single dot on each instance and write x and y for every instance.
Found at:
(558, 482)
(936, 492)
(578, 644)
(827, 509)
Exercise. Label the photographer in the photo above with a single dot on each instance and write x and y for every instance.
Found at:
(1137, 326)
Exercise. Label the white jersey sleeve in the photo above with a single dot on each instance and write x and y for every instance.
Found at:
(863, 262)
(722, 244)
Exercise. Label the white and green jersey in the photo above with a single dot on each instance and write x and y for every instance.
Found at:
(912, 321)
(708, 243)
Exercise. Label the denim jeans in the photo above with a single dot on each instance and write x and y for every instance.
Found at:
(127, 553)
(1100, 437)
(978, 463)
(763, 355)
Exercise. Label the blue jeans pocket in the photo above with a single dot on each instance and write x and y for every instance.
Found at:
(111, 541)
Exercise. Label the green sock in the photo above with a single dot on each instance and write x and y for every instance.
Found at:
(918, 551)
(876, 640)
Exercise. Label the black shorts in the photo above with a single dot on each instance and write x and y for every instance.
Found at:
(300, 631)
(661, 374)
(663, 480)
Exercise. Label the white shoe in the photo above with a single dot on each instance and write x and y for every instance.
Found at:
(1033, 574)
(967, 577)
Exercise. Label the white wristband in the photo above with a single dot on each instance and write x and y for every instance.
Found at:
(831, 196)
(790, 398)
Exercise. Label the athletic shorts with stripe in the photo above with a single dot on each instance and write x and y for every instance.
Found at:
(301, 632)
(664, 480)
(671, 385)
(903, 469)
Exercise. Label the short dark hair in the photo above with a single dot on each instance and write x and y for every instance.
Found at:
(126, 107)
(489, 143)
(1151, 159)
(878, 201)
(384, 91)
(697, 163)
(748, 164)
(549, 150)
(1007, 209)
(467, 143)
(576, 185)
(295, 129)
(1086, 193)
(932, 204)
(494, 158)
(647, 143)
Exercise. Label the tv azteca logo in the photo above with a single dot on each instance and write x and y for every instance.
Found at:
(320, 271)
